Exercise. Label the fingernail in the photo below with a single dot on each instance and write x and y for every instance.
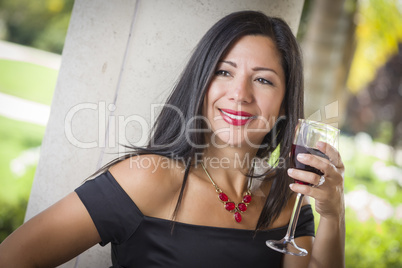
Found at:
(290, 171)
(291, 186)
(301, 156)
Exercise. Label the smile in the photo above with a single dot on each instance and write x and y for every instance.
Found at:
(236, 118)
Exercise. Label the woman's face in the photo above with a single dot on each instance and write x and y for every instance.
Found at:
(244, 98)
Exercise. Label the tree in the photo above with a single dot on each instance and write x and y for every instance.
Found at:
(378, 32)
(41, 23)
(328, 46)
(376, 72)
(377, 109)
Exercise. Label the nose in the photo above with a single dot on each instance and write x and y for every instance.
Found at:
(241, 91)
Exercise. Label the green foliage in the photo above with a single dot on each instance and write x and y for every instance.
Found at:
(15, 139)
(379, 29)
(11, 217)
(385, 132)
(41, 23)
(52, 37)
(362, 169)
(37, 84)
(372, 244)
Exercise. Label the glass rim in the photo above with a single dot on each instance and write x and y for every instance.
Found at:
(316, 123)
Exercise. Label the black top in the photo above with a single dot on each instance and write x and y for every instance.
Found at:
(142, 241)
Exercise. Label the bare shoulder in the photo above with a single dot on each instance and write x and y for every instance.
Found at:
(152, 181)
(52, 237)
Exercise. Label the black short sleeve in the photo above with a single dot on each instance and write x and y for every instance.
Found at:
(114, 214)
(305, 224)
(143, 241)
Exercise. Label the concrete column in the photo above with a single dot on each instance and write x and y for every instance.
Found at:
(120, 57)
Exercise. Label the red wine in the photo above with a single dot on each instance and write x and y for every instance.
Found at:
(298, 149)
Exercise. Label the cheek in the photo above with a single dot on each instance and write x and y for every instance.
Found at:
(271, 107)
(211, 96)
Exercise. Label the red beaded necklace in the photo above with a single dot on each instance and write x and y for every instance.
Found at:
(227, 203)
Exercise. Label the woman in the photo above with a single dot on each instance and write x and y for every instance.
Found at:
(238, 99)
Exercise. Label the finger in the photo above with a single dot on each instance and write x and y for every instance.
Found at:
(304, 176)
(307, 190)
(331, 152)
(320, 163)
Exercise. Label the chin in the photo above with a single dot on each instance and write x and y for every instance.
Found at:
(224, 140)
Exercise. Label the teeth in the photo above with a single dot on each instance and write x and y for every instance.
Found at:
(237, 117)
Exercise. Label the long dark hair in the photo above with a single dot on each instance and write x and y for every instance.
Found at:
(169, 137)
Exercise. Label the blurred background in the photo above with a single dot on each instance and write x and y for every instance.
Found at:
(353, 67)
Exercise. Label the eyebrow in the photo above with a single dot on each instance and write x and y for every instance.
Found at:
(254, 69)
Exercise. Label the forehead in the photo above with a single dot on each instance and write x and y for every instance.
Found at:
(259, 44)
(257, 50)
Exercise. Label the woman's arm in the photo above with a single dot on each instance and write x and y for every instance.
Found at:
(51, 238)
(329, 244)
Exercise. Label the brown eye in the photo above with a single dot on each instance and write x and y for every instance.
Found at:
(264, 81)
(222, 73)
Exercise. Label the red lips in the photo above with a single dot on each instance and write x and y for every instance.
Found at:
(236, 118)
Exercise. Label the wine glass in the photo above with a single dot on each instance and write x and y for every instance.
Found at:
(308, 133)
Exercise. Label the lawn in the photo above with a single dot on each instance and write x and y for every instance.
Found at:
(19, 143)
(27, 80)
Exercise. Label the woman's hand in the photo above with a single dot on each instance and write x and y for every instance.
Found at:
(329, 197)
(329, 243)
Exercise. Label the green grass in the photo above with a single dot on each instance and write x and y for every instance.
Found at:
(373, 244)
(27, 80)
(30, 82)
(15, 138)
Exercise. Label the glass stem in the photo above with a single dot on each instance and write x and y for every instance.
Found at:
(290, 234)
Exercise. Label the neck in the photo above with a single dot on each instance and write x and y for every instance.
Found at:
(221, 155)
(228, 168)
